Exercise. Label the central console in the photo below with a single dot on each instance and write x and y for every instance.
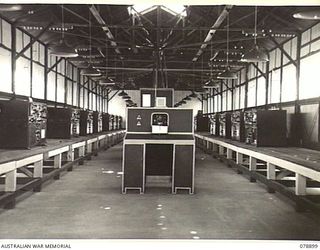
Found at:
(159, 145)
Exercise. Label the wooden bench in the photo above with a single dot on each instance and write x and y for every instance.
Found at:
(276, 168)
(29, 164)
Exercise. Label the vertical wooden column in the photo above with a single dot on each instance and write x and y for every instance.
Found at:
(271, 175)
(81, 150)
(11, 186)
(11, 181)
(38, 173)
(297, 107)
(215, 147)
(221, 150)
(271, 171)
(301, 185)
(13, 58)
(46, 58)
(267, 84)
(38, 169)
(239, 158)
(246, 87)
(252, 167)
(89, 148)
(57, 165)
(229, 153)
(239, 161)
(70, 157)
(95, 146)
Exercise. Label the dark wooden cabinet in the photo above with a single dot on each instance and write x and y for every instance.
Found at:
(237, 126)
(133, 167)
(225, 125)
(214, 124)
(97, 122)
(266, 127)
(23, 124)
(63, 123)
(86, 122)
(183, 167)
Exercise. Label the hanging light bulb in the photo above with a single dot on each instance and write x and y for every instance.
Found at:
(227, 74)
(62, 49)
(90, 71)
(255, 54)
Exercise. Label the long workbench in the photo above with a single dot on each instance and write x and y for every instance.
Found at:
(27, 169)
(297, 168)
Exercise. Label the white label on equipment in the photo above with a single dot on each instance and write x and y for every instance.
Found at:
(43, 133)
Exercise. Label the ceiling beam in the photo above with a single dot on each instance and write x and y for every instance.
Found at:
(212, 31)
(148, 69)
(104, 27)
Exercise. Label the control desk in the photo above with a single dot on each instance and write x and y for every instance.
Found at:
(159, 142)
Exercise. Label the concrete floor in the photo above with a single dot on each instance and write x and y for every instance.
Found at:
(87, 203)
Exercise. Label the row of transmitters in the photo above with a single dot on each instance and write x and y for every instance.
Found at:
(38, 118)
(75, 122)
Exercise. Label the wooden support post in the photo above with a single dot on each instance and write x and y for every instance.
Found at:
(11, 181)
(70, 158)
(221, 150)
(239, 161)
(38, 173)
(89, 148)
(38, 169)
(215, 147)
(239, 158)
(229, 153)
(89, 151)
(57, 164)
(252, 167)
(81, 154)
(95, 148)
(271, 175)
(70, 155)
(11, 186)
(301, 184)
(81, 151)
(271, 171)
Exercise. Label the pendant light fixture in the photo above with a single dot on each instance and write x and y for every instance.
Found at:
(227, 74)
(193, 94)
(255, 54)
(62, 49)
(122, 93)
(313, 14)
(211, 84)
(90, 71)
(10, 7)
